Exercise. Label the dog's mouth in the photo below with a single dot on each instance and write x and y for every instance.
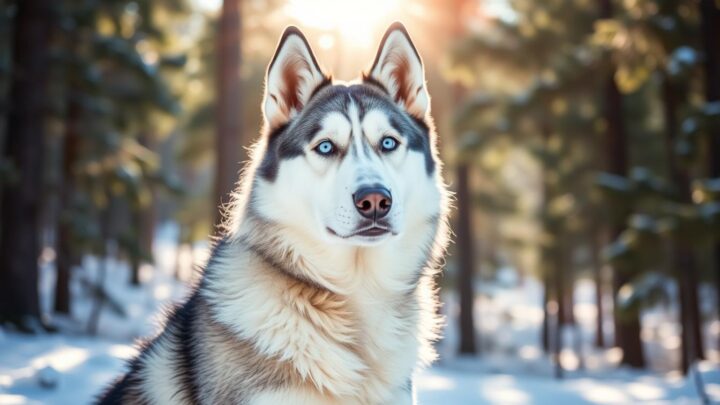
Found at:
(373, 231)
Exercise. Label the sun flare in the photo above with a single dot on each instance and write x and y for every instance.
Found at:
(353, 21)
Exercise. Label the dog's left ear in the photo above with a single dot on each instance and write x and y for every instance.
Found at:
(399, 69)
(292, 77)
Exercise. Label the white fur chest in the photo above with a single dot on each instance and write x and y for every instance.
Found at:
(389, 344)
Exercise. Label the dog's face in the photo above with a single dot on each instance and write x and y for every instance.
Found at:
(352, 164)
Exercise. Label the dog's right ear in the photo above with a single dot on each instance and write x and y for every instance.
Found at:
(292, 77)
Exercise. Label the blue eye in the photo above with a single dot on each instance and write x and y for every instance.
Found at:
(325, 148)
(389, 144)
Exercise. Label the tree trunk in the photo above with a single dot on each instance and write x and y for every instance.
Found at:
(464, 225)
(228, 143)
(144, 218)
(597, 265)
(24, 143)
(568, 297)
(547, 255)
(65, 256)
(561, 317)
(545, 332)
(135, 264)
(100, 292)
(710, 29)
(683, 256)
(466, 266)
(627, 328)
(683, 259)
(135, 252)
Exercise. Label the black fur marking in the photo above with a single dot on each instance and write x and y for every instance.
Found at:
(178, 334)
(128, 387)
(367, 79)
(289, 140)
(276, 151)
(327, 81)
(418, 135)
(409, 385)
(181, 328)
(125, 387)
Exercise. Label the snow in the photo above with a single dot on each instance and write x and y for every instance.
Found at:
(85, 365)
(443, 386)
(71, 367)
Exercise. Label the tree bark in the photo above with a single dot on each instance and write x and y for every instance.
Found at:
(229, 135)
(24, 143)
(65, 256)
(710, 31)
(466, 265)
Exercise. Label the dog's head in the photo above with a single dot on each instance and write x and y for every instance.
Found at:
(347, 163)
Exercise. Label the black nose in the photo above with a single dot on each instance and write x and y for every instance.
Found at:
(373, 202)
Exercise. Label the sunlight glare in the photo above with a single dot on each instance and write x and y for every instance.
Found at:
(604, 395)
(8, 399)
(210, 6)
(326, 41)
(355, 21)
(645, 392)
(436, 383)
(62, 359)
(569, 360)
(507, 395)
(124, 352)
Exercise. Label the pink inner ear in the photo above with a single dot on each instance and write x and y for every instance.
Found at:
(400, 74)
(290, 92)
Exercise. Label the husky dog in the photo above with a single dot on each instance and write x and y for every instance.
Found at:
(320, 290)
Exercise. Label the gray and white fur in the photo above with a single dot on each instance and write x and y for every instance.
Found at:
(320, 290)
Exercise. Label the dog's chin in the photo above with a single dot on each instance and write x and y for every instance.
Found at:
(369, 236)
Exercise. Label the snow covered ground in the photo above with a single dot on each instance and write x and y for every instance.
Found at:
(84, 365)
(71, 367)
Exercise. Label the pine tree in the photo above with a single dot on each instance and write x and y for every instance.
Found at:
(23, 149)
(710, 31)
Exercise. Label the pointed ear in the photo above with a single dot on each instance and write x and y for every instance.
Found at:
(399, 69)
(291, 78)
